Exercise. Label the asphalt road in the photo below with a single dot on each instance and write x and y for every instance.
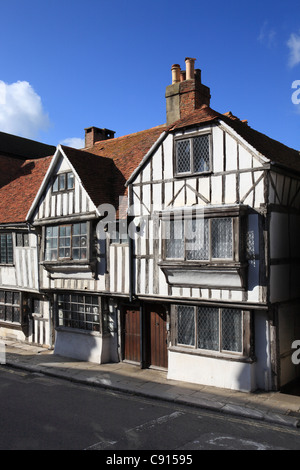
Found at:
(43, 413)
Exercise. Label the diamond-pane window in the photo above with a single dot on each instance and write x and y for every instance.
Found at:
(221, 238)
(232, 330)
(175, 239)
(208, 328)
(186, 325)
(183, 152)
(201, 153)
(193, 155)
(197, 239)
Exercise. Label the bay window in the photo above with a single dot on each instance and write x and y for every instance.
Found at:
(199, 239)
(204, 247)
(66, 242)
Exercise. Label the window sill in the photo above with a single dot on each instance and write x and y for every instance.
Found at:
(9, 324)
(230, 356)
(205, 275)
(191, 175)
(69, 267)
(78, 331)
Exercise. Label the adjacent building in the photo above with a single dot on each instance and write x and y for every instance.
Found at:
(172, 248)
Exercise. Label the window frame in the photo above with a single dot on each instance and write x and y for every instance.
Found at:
(8, 261)
(102, 313)
(12, 305)
(190, 138)
(65, 189)
(235, 234)
(58, 237)
(246, 352)
(22, 240)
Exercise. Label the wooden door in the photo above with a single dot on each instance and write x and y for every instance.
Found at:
(157, 352)
(131, 335)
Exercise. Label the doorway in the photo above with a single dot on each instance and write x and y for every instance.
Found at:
(156, 336)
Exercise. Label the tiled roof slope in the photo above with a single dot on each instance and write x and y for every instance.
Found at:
(270, 148)
(9, 166)
(128, 151)
(97, 174)
(17, 196)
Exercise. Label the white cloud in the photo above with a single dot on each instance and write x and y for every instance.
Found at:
(74, 142)
(21, 110)
(294, 46)
(267, 35)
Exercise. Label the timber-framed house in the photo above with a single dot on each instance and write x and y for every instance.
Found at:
(175, 247)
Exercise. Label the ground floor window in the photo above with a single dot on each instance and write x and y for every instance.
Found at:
(210, 328)
(10, 306)
(79, 311)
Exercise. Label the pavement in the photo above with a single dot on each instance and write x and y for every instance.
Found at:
(272, 407)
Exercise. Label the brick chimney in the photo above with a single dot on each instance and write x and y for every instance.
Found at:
(95, 134)
(186, 93)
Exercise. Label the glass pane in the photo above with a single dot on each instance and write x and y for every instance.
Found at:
(16, 315)
(174, 239)
(232, 333)
(197, 239)
(55, 184)
(221, 238)
(83, 228)
(70, 180)
(183, 156)
(62, 231)
(62, 182)
(201, 153)
(9, 248)
(208, 328)
(76, 229)
(186, 325)
(19, 239)
(26, 239)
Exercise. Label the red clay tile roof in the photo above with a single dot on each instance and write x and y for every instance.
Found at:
(98, 174)
(17, 196)
(127, 153)
(270, 148)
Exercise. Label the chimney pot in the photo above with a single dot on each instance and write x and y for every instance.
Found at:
(175, 73)
(190, 68)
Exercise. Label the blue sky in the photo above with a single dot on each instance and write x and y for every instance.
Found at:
(70, 64)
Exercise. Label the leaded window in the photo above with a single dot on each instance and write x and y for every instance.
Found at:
(6, 248)
(192, 155)
(79, 311)
(199, 238)
(66, 242)
(210, 328)
(10, 306)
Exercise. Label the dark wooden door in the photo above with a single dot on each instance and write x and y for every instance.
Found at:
(157, 352)
(131, 335)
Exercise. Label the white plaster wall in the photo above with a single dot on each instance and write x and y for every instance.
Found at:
(81, 345)
(209, 371)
